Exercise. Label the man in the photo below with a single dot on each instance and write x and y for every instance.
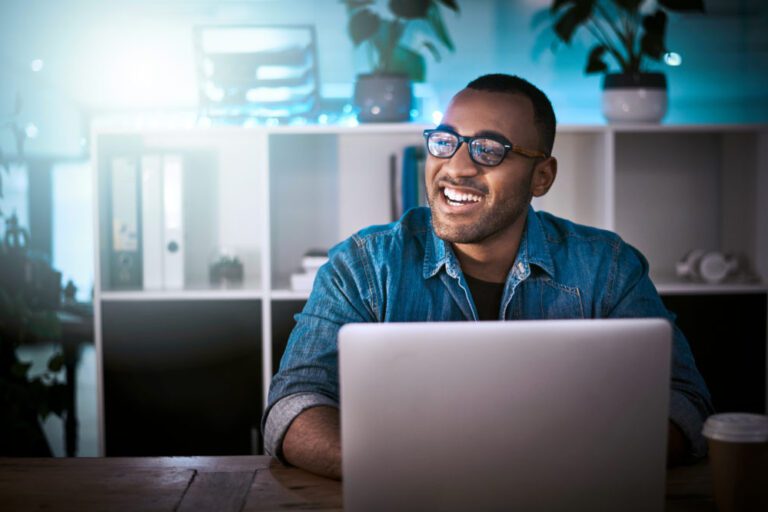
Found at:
(479, 252)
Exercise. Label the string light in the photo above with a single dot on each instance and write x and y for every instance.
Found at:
(673, 59)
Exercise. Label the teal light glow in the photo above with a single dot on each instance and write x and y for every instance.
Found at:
(32, 131)
(673, 59)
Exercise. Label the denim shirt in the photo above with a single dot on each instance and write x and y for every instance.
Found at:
(402, 272)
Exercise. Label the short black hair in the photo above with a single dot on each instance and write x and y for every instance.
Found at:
(543, 114)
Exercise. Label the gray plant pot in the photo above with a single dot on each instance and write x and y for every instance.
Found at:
(634, 97)
(383, 98)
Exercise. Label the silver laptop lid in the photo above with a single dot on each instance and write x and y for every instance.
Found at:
(526, 415)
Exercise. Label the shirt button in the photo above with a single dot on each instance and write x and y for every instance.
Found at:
(520, 267)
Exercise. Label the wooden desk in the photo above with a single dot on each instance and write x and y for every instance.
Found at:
(221, 484)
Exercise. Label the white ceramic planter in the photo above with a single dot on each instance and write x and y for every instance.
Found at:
(634, 98)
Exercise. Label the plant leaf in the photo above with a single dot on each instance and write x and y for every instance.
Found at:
(363, 25)
(656, 22)
(405, 60)
(20, 369)
(433, 50)
(572, 19)
(451, 4)
(56, 362)
(384, 42)
(356, 4)
(435, 21)
(44, 325)
(683, 5)
(559, 4)
(595, 63)
(540, 17)
(652, 42)
(57, 399)
(410, 9)
(630, 6)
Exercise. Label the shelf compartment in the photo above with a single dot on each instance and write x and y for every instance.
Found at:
(679, 191)
(219, 214)
(582, 191)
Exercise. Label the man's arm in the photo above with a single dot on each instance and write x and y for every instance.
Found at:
(631, 294)
(313, 442)
(677, 446)
(301, 421)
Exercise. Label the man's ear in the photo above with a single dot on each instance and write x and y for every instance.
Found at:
(544, 174)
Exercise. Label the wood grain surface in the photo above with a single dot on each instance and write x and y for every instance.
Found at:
(223, 484)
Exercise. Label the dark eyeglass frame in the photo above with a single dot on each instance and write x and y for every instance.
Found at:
(530, 153)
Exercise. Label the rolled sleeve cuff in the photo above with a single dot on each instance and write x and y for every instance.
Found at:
(689, 419)
(282, 414)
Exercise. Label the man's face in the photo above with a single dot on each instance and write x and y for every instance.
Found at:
(471, 203)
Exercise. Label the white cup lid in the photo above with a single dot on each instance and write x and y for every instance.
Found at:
(737, 427)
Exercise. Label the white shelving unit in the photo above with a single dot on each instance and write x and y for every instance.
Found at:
(271, 193)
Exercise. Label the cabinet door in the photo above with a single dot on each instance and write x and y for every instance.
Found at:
(283, 323)
(182, 377)
(727, 334)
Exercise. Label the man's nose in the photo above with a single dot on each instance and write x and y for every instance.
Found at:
(460, 164)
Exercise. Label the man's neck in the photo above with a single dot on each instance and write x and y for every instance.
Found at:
(491, 259)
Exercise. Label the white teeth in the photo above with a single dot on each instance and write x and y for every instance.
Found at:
(456, 196)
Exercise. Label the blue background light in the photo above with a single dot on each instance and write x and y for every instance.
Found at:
(130, 56)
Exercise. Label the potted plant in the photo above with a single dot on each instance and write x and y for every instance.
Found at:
(26, 316)
(394, 38)
(631, 33)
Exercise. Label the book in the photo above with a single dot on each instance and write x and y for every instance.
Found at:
(303, 282)
(311, 262)
(314, 259)
(408, 187)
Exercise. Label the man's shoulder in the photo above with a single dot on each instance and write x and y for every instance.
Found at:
(412, 227)
(560, 231)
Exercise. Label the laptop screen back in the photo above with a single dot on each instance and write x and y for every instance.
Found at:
(526, 415)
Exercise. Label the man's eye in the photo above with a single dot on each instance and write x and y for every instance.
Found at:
(490, 148)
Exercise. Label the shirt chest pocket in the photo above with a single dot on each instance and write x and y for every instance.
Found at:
(544, 298)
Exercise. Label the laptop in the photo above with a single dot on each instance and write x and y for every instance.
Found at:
(537, 415)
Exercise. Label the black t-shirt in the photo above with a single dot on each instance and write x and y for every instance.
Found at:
(487, 297)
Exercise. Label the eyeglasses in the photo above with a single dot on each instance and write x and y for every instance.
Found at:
(483, 150)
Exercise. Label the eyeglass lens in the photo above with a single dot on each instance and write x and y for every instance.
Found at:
(482, 151)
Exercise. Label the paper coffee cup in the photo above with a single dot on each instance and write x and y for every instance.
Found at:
(738, 455)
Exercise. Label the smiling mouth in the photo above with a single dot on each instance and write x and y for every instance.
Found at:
(455, 197)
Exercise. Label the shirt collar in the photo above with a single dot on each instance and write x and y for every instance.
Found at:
(534, 249)
(438, 252)
(537, 246)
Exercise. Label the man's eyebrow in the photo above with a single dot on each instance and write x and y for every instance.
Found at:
(482, 133)
(492, 134)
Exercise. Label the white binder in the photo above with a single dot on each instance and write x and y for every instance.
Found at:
(153, 230)
(173, 220)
